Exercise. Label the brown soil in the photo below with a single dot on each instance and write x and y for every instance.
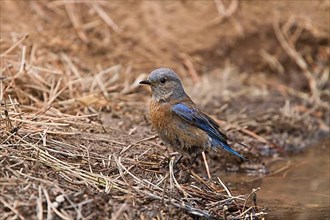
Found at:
(75, 136)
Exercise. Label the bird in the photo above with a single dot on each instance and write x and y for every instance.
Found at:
(178, 121)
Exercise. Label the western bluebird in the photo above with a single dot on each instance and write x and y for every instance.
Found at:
(179, 123)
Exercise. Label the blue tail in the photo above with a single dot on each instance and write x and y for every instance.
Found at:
(218, 143)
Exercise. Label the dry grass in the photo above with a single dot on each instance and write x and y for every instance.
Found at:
(42, 125)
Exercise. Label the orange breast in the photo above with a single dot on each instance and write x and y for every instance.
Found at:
(160, 114)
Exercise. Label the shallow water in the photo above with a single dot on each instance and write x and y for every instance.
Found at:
(298, 187)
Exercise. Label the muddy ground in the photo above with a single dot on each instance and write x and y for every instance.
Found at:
(75, 134)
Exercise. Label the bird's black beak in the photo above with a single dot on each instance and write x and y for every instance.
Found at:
(146, 82)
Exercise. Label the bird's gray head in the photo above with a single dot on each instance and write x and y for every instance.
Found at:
(165, 84)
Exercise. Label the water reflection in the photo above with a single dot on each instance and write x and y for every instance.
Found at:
(297, 188)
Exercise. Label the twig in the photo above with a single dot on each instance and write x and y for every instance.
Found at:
(190, 66)
(38, 123)
(119, 211)
(223, 12)
(105, 17)
(206, 165)
(292, 52)
(202, 181)
(172, 177)
(76, 22)
(50, 207)
(14, 46)
(6, 204)
(137, 142)
(253, 192)
(225, 187)
(39, 205)
(272, 61)
(23, 61)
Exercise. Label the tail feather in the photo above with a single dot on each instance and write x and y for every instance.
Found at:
(218, 143)
(229, 149)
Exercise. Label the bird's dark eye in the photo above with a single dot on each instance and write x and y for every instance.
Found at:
(163, 80)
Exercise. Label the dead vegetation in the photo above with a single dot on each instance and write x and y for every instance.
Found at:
(75, 141)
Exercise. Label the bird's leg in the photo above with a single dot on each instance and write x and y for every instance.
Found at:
(193, 158)
(167, 159)
(178, 160)
(175, 164)
(168, 155)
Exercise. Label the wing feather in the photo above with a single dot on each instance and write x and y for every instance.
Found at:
(199, 120)
(204, 122)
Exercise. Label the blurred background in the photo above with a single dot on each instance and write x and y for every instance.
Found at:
(261, 68)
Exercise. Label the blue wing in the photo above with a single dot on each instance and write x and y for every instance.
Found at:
(205, 123)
